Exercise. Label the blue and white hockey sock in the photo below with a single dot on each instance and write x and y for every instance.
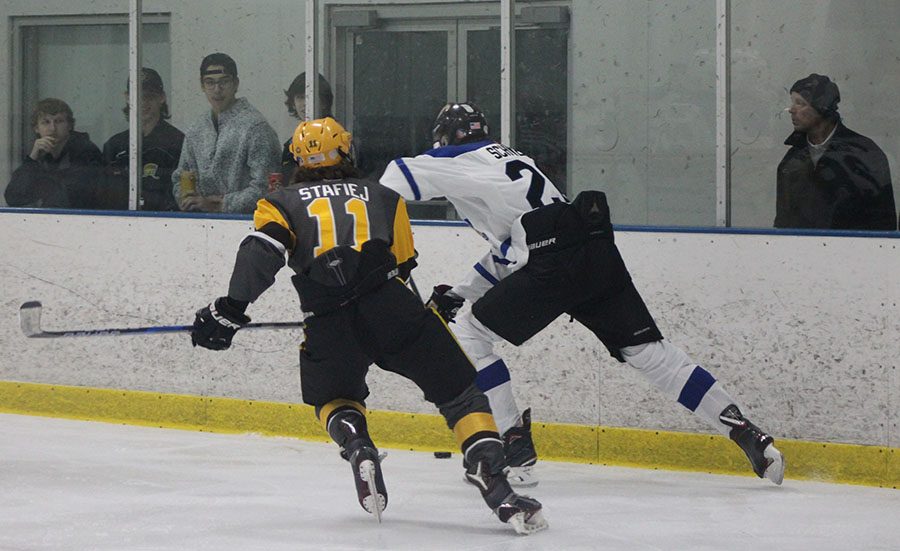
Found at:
(670, 369)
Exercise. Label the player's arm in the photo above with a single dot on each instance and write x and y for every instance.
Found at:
(262, 253)
(420, 178)
(260, 256)
(484, 274)
(487, 272)
(402, 246)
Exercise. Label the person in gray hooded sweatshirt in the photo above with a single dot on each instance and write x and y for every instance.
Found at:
(231, 149)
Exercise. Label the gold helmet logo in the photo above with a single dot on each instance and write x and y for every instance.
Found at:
(320, 143)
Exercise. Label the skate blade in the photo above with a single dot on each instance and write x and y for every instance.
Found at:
(775, 470)
(527, 525)
(374, 502)
(522, 477)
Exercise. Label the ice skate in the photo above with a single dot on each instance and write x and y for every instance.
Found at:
(488, 472)
(760, 448)
(521, 512)
(520, 453)
(370, 489)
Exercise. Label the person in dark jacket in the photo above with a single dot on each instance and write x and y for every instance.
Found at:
(832, 177)
(295, 101)
(62, 166)
(160, 151)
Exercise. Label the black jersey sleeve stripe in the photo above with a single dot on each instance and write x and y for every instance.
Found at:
(278, 233)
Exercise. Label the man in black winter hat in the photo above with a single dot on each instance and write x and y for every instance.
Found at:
(832, 177)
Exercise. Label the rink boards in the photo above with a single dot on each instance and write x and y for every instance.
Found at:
(801, 329)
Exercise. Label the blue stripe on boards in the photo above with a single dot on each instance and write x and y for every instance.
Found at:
(409, 178)
(696, 388)
(492, 376)
(486, 274)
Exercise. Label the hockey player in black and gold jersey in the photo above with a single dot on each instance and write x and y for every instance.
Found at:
(350, 243)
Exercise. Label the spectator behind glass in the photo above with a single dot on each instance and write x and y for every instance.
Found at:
(231, 149)
(832, 177)
(160, 149)
(63, 165)
(295, 101)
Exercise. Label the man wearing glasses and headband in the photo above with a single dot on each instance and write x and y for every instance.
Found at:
(229, 150)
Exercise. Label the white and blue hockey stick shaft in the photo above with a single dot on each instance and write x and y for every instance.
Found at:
(30, 319)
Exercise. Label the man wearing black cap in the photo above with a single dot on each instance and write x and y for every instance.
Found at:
(231, 149)
(160, 150)
(832, 177)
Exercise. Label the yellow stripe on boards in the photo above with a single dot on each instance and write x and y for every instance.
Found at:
(826, 462)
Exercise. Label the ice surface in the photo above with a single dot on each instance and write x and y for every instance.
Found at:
(75, 485)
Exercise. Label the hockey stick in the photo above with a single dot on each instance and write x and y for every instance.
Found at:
(30, 319)
(412, 285)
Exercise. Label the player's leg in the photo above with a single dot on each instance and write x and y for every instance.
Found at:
(493, 375)
(332, 375)
(345, 422)
(416, 343)
(515, 309)
(626, 327)
(468, 415)
(671, 370)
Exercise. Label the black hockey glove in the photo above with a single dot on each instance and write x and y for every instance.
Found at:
(445, 302)
(216, 324)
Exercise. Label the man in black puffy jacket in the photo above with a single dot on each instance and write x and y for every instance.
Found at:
(832, 177)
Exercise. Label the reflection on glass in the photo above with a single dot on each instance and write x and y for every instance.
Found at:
(643, 110)
(395, 103)
(541, 88)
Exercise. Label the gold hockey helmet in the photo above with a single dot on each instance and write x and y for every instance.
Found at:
(320, 143)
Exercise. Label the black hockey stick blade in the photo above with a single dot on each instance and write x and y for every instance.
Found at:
(30, 320)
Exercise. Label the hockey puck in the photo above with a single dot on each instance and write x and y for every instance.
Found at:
(442, 455)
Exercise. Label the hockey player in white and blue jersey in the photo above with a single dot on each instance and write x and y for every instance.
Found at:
(548, 257)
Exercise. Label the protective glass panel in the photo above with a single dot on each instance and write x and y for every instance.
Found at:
(541, 86)
(643, 109)
(776, 47)
(395, 102)
(73, 81)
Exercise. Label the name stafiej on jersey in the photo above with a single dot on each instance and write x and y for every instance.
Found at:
(491, 186)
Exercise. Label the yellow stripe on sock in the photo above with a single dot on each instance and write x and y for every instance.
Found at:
(328, 408)
(473, 423)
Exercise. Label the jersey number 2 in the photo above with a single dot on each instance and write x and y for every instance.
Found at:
(514, 171)
(321, 209)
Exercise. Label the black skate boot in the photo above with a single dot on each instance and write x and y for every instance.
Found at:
(487, 471)
(348, 428)
(760, 448)
(366, 466)
(520, 453)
